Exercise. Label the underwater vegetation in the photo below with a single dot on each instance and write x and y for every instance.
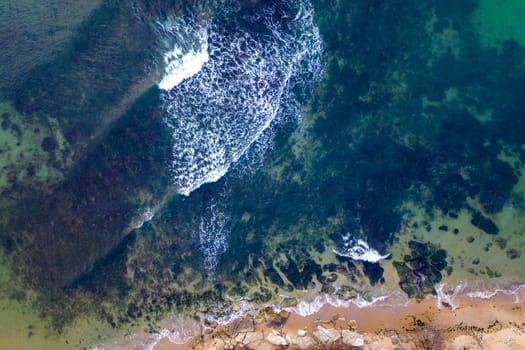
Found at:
(421, 270)
(412, 108)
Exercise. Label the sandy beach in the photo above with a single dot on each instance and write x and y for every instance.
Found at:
(495, 323)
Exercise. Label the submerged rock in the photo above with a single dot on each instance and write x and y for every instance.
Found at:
(513, 253)
(421, 270)
(275, 319)
(485, 224)
(289, 302)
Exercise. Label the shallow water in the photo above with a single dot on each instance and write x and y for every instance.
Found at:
(232, 156)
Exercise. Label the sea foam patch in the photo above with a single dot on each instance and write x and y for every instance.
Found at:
(224, 88)
(213, 232)
(180, 65)
(358, 249)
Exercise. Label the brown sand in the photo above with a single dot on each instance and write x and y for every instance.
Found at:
(496, 323)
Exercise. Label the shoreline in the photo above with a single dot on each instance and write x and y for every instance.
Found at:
(478, 322)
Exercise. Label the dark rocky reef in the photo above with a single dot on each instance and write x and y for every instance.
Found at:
(421, 270)
(61, 234)
(484, 223)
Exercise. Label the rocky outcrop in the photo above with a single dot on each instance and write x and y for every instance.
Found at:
(276, 338)
(421, 270)
(327, 335)
(301, 340)
(352, 338)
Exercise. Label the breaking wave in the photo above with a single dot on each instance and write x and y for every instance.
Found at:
(224, 88)
(357, 249)
(449, 295)
(311, 306)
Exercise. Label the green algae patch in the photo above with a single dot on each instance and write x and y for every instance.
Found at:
(498, 21)
(33, 151)
(472, 253)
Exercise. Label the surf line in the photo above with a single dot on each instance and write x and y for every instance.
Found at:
(223, 88)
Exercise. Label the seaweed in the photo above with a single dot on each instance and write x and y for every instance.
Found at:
(484, 223)
(421, 270)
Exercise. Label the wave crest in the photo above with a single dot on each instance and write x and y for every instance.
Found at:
(217, 113)
(357, 249)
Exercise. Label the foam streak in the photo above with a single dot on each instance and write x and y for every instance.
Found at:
(219, 112)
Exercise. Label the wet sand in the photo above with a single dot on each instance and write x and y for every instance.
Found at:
(495, 323)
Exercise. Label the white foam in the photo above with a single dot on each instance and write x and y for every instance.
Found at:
(144, 216)
(219, 112)
(239, 308)
(311, 306)
(180, 66)
(358, 250)
(447, 296)
(213, 231)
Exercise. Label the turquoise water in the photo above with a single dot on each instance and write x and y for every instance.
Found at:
(163, 160)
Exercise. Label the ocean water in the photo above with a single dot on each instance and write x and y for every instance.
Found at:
(162, 163)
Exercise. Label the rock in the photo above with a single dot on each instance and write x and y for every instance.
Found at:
(395, 339)
(260, 317)
(331, 278)
(328, 289)
(276, 339)
(421, 270)
(513, 253)
(284, 314)
(352, 324)
(221, 343)
(346, 293)
(327, 335)
(484, 223)
(443, 228)
(302, 342)
(249, 338)
(275, 320)
(301, 332)
(242, 325)
(353, 338)
(289, 302)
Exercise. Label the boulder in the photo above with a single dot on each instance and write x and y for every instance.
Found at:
(302, 342)
(242, 325)
(326, 335)
(249, 338)
(289, 302)
(353, 338)
(276, 339)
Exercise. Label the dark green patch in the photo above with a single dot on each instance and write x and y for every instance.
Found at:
(513, 253)
(421, 270)
(484, 223)
(501, 242)
(49, 144)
